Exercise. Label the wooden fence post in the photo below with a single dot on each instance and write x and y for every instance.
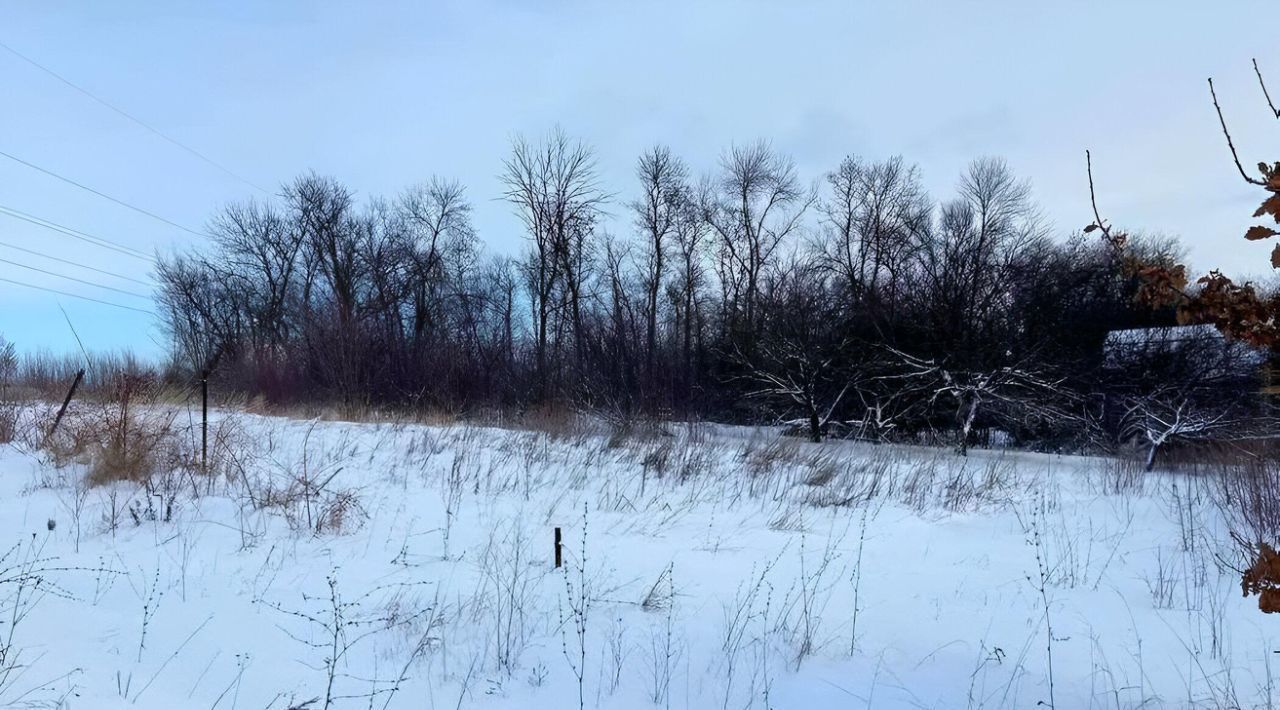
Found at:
(65, 403)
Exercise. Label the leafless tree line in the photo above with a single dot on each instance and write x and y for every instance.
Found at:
(855, 304)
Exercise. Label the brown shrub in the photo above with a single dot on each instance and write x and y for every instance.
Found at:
(134, 435)
(127, 436)
(309, 505)
(342, 512)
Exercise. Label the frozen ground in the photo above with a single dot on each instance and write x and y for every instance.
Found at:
(715, 568)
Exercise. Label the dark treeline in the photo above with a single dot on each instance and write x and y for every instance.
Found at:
(858, 303)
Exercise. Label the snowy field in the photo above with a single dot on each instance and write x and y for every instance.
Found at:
(331, 564)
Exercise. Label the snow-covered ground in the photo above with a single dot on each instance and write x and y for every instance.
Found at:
(712, 568)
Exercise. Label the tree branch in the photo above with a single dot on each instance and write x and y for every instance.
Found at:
(1234, 155)
(1263, 84)
(1115, 242)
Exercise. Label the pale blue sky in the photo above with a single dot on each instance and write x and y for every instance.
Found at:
(384, 94)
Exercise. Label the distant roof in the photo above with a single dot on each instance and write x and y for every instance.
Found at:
(1206, 341)
(1162, 335)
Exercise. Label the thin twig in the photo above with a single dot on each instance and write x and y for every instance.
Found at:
(1263, 84)
(1234, 155)
(1093, 201)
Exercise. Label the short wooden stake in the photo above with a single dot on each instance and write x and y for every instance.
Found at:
(559, 560)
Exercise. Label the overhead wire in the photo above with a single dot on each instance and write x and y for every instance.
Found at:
(69, 262)
(101, 194)
(76, 233)
(75, 295)
(84, 236)
(131, 117)
(73, 278)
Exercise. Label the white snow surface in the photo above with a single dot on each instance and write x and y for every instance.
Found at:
(775, 548)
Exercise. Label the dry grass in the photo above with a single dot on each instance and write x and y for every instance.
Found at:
(761, 458)
(557, 421)
(305, 491)
(1249, 496)
(935, 481)
(335, 412)
(1122, 475)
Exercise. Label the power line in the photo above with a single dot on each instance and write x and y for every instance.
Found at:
(76, 234)
(103, 195)
(73, 278)
(73, 263)
(130, 116)
(76, 295)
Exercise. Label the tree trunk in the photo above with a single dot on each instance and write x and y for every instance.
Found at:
(971, 412)
(541, 355)
(651, 338)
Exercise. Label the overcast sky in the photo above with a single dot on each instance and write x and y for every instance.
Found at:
(385, 94)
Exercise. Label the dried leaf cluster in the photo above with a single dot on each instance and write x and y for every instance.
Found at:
(1263, 578)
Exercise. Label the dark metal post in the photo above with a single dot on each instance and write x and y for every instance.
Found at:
(558, 547)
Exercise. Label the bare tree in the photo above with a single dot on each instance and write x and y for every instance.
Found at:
(1174, 385)
(8, 369)
(437, 218)
(969, 263)
(1170, 415)
(554, 188)
(323, 210)
(797, 362)
(203, 312)
(616, 359)
(872, 218)
(1017, 386)
(755, 204)
(664, 193)
(8, 361)
(336, 269)
(691, 237)
(261, 248)
(503, 277)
